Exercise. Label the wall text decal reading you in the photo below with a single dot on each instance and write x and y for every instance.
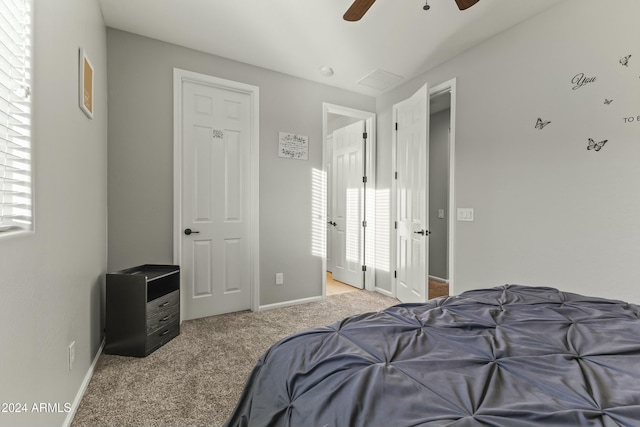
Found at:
(580, 80)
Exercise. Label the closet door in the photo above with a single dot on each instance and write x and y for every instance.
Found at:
(412, 198)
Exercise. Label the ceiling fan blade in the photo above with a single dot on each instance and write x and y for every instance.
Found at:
(465, 4)
(357, 10)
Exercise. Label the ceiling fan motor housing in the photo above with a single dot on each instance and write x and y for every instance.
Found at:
(360, 7)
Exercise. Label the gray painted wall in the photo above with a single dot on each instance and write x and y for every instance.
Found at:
(52, 281)
(547, 210)
(141, 165)
(439, 193)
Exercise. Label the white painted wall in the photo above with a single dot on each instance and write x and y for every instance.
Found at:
(51, 282)
(141, 153)
(547, 210)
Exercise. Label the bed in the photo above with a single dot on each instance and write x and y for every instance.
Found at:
(507, 356)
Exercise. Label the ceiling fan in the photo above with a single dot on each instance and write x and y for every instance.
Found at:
(360, 7)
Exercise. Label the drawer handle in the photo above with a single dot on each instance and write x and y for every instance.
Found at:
(165, 304)
(164, 333)
(165, 318)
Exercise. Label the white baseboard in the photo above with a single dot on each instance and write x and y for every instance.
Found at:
(439, 279)
(290, 303)
(83, 388)
(384, 292)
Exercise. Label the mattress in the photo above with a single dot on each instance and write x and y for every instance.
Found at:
(507, 356)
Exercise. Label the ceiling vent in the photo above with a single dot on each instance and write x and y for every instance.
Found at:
(379, 79)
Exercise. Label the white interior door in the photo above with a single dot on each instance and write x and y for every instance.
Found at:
(216, 252)
(328, 167)
(412, 198)
(347, 204)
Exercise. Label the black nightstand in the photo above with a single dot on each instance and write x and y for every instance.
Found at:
(143, 309)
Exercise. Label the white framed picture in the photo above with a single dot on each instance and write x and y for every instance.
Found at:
(85, 80)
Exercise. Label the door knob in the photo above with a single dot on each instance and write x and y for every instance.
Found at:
(188, 231)
(423, 232)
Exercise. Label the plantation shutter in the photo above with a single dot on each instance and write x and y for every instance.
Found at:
(15, 115)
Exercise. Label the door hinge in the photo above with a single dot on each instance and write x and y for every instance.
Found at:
(364, 268)
(396, 175)
(395, 225)
(395, 274)
(364, 179)
(396, 125)
(364, 224)
(364, 135)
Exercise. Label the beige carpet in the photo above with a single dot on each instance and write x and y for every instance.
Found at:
(196, 379)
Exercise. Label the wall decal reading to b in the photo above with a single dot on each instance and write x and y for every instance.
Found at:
(581, 80)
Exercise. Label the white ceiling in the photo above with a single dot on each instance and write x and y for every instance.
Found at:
(297, 37)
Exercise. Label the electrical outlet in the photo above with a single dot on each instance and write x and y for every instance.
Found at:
(465, 214)
(72, 354)
(279, 278)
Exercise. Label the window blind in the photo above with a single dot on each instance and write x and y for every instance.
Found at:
(15, 115)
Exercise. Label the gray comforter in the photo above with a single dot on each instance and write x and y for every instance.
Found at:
(504, 357)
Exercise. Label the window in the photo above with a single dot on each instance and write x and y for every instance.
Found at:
(15, 116)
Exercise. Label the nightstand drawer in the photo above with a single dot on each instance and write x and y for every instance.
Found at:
(162, 320)
(164, 305)
(162, 335)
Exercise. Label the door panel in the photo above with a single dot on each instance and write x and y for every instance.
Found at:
(202, 268)
(216, 152)
(412, 161)
(202, 175)
(233, 176)
(232, 265)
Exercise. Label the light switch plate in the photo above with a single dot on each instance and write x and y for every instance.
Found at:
(441, 213)
(465, 214)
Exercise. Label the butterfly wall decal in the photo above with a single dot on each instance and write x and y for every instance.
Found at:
(608, 101)
(625, 60)
(540, 124)
(597, 146)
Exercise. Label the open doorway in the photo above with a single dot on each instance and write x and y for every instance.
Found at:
(439, 139)
(441, 189)
(348, 160)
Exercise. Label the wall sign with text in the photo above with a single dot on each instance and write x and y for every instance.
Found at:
(292, 146)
